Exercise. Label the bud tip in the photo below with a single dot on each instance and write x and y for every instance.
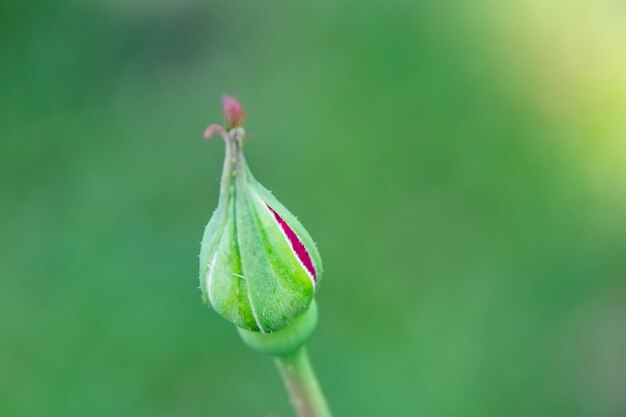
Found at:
(233, 112)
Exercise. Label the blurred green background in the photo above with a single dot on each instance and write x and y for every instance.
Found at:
(462, 166)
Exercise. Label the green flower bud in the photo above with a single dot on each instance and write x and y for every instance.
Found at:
(259, 267)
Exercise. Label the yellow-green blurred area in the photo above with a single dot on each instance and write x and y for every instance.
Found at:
(461, 165)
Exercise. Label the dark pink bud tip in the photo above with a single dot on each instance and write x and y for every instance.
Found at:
(233, 112)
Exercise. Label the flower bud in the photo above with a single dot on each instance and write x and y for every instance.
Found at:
(259, 267)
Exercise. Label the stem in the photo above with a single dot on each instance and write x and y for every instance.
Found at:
(301, 383)
(287, 347)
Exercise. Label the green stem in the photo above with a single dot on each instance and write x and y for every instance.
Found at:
(287, 347)
(301, 383)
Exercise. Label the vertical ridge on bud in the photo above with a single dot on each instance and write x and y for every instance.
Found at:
(209, 274)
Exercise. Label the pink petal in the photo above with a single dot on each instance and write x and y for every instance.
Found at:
(233, 112)
(296, 245)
